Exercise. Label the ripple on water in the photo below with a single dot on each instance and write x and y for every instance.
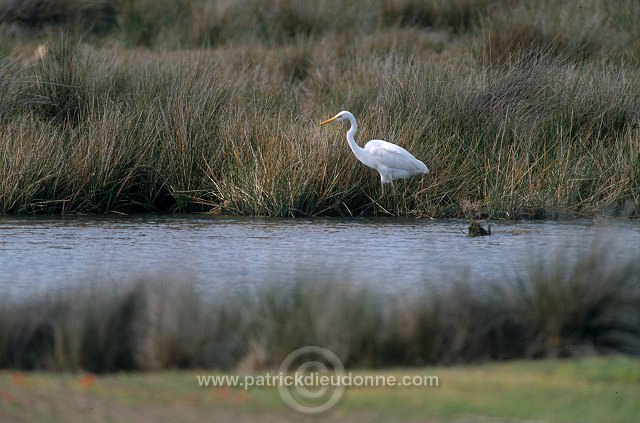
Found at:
(47, 253)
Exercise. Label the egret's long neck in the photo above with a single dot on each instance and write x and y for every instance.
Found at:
(357, 150)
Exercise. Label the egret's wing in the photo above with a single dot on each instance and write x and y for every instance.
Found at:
(394, 157)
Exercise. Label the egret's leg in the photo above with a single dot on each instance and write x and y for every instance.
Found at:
(395, 197)
(374, 201)
(366, 209)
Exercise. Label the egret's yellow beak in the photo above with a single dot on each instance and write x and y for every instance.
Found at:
(329, 120)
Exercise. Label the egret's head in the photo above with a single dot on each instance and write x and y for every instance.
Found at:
(344, 115)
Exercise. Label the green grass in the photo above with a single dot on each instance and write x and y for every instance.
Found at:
(586, 390)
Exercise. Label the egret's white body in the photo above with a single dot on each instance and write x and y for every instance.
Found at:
(391, 161)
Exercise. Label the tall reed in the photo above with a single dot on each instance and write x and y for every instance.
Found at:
(528, 121)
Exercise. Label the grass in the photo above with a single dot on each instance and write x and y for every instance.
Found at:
(590, 306)
(587, 390)
(520, 109)
(188, 107)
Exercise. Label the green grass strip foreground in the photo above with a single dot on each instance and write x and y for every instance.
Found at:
(604, 389)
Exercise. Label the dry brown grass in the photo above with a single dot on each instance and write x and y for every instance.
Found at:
(521, 128)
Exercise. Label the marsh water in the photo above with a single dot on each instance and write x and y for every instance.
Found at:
(45, 254)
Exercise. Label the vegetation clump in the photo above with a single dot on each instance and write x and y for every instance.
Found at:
(476, 229)
(522, 111)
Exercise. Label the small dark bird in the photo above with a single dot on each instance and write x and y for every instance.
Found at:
(475, 229)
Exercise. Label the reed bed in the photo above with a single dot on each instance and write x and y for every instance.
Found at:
(214, 109)
(587, 28)
(569, 308)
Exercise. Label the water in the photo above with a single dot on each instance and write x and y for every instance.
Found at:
(46, 254)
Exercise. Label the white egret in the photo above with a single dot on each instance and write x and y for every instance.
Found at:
(391, 161)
